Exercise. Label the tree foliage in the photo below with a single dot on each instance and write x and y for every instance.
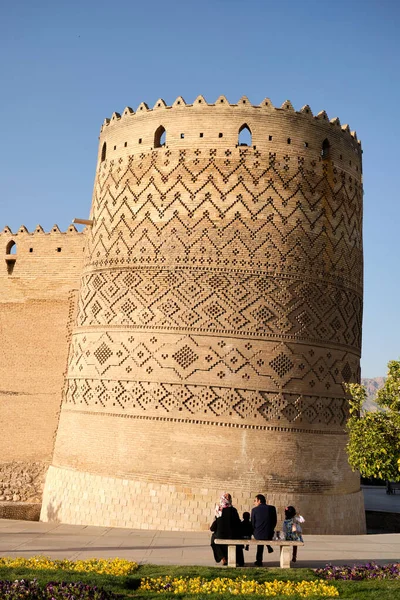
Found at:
(374, 437)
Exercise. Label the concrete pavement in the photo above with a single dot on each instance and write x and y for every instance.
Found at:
(376, 499)
(27, 538)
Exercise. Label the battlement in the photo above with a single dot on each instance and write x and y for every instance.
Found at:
(53, 255)
(22, 230)
(244, 103)
(221, 126)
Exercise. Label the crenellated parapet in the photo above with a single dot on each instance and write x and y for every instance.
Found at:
(218, 125)
(24, 251)
(200, 102)
(38, 230)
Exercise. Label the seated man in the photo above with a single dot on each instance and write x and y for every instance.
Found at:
(263, 519)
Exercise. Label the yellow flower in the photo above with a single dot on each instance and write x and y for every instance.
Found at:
(115, 566)
(196, 585)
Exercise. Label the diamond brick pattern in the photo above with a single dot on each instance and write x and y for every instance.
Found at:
(189, 359)
(220, 310)
(213, 403)
(242, 303)
(229, 262)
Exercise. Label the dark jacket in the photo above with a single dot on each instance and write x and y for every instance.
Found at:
(246, 529)
(227, 526)
(263, 519)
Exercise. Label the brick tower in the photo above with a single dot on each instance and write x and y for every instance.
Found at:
(219, 315)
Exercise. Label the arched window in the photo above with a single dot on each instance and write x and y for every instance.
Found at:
(160, 137)
(325, 148)
(244, 135)
(11, 247)
(11, 251)
(103, 152)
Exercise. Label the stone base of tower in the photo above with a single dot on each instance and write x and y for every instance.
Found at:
(81, 498)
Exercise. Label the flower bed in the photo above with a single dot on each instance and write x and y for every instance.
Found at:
(359, 572)
(114, 566)
(242, 585)
(30, 590)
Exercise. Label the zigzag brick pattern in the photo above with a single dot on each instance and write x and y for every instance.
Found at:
(222, 286)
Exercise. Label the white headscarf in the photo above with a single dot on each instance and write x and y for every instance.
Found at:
(224, 502)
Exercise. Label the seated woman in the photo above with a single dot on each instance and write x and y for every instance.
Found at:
(226, 526)
(292, 528)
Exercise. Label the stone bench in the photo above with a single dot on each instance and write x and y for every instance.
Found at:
(285, 546)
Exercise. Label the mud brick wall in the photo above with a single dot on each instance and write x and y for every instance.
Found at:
(39, 278)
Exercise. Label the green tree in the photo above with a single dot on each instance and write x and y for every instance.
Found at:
(374, 437)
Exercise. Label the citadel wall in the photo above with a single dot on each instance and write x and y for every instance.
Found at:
(219, 315)
(39, 278)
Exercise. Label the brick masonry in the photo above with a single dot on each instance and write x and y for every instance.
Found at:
(39, 279)
(87, 499)
(219, 314)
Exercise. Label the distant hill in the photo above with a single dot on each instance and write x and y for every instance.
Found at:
(372, 385)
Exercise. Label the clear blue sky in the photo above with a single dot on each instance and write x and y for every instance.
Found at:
(65, 66)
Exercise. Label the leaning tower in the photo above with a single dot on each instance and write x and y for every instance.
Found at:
(219, 316)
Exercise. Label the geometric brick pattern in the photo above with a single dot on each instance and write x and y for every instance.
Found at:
(99, 359)
(212, 404)
(188, 358)
(220, 305)
(240, 303)
(236, 208)
(236, 266)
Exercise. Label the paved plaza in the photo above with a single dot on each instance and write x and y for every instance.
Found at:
(376, 498)
(27, 538)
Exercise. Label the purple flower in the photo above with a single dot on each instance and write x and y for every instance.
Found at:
(359, 572)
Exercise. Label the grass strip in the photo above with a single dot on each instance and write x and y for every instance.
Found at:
(128, 587)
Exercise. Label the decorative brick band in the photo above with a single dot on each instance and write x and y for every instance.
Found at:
(225, 405)
(221, 302)
(203, 422)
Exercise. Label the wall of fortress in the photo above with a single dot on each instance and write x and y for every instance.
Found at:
(39, 278)
(219, 316)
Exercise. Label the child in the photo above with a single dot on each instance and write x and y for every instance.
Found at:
(292, 528)
(246, 528)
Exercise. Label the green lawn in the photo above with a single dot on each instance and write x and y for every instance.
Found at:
(127, 587)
